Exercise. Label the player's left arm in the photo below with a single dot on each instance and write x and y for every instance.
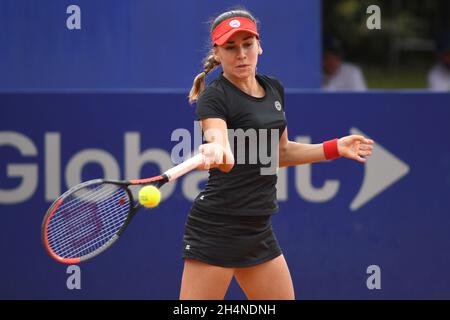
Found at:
(293, 153)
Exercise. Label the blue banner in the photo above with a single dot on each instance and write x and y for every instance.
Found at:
(347, 230)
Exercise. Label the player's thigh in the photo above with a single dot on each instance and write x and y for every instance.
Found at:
(269, 280)
(204, 281)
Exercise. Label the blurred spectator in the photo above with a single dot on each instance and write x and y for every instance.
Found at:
(339, 74)
(439, 75)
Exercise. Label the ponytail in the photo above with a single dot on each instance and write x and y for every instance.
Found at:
(199, 82)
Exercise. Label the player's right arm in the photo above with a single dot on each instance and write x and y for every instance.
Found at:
(217, 150)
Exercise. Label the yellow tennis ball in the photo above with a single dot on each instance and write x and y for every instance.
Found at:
(149, 196)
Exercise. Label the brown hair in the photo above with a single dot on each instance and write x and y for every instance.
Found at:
(209, 63)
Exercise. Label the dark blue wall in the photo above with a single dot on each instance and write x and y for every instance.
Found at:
(145, 44)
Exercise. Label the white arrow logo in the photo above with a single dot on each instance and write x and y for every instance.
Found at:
(381, 171)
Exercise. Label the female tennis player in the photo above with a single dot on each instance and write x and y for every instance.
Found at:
(228, 230)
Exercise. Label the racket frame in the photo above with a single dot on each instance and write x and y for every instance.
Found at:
(157, 181)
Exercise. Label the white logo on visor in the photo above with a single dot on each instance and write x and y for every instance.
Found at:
(235, 24)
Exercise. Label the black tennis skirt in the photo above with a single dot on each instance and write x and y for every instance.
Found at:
(229, 241)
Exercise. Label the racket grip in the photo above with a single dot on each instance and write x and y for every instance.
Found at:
(184, 167)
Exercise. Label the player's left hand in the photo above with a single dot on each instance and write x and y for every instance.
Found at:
(355, 147)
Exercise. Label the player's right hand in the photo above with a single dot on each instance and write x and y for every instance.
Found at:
(214, 155)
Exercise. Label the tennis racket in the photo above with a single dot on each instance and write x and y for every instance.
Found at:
(90, 217)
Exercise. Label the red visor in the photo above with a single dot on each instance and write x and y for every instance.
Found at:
(227, 28)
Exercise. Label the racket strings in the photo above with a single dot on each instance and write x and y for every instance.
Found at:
(88, 224)
(59, 227)
(69, 220)
(87, 219)
(108, 232)
(86, 235)
(90, 194)
(70, 207)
